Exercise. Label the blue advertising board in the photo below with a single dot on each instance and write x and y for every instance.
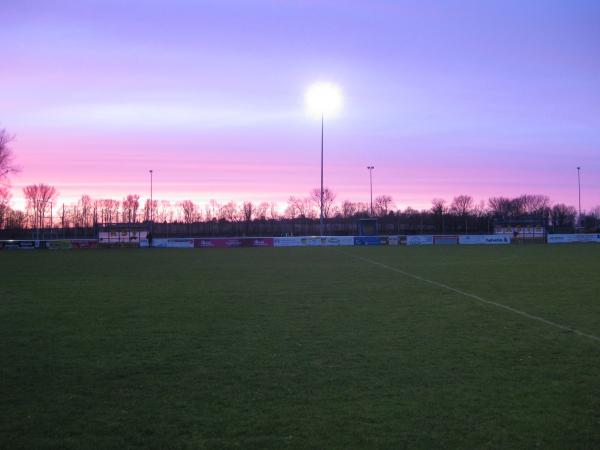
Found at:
(370, 240)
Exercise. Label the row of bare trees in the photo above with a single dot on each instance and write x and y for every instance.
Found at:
(463, 213)
(44, 211)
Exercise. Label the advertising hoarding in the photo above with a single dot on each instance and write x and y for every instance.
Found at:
(180, 243)
(59, 245)
(445, 240)
(371, 240)
(232, 242)
(572, 238)
(313, 241)
(396, 240)
(84, 243)
(419, 240)
(287, 242)
(484, 239)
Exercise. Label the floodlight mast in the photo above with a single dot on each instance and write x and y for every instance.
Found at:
(321, 218)
(371, 185)
(151, 203)
(321, 99)
(579, 191)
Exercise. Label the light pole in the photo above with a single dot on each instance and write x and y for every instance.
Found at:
(321, 216)
(371, 185)
(579, 191)
(322, 99)
(151, 203)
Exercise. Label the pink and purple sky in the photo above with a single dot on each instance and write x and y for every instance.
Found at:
(499, 97)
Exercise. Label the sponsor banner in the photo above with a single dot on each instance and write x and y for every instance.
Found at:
(257, 242)
(180, 243)
(25, 245)
(334, 241)
(371, 240)
(419, 240)
(445, 240)
(11, 245)
(287, 242)
(484, 239)
(86, 243)
(58, 245)
(397, 240)
(571, 238)
(393, 240)
(233, 242)
(1, 245)
(217, 243)
(159, 243)
(313, 241)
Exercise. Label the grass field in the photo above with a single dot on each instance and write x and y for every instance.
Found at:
(301, 348)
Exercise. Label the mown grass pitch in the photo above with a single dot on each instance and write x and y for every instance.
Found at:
(300, 347)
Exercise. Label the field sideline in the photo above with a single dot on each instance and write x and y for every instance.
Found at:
(354, 347)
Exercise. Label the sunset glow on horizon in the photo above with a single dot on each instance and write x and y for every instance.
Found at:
(494, 99)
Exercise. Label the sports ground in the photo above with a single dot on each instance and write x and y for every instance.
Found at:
(359, 347)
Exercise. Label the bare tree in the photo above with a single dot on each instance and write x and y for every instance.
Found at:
(39, 197)
(150, 208)
(131, 204)
(212, 209)
(439, 209)
(6, 155)
(462, 206)
(189, 210)
(534, 204)
(382, 205)
(273, 211)
(85, 211)
(15, 220)
(300, 207)
(109, 210)
(563, 215)
(4, 205)
(248, 211)
(500, 206)
(328, 201)
(262, 210)
(228, 212)
(438, 206)
(349, 209)
(164, 212)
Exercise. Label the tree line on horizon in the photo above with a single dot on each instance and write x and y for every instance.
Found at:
(43, 210)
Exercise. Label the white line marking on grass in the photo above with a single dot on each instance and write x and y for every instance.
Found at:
(476, 297)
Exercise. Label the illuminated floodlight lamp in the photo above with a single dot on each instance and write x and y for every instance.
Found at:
(323, 99)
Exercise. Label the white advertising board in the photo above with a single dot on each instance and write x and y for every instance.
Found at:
(571, 238)
(313, 241)
(484, 239)
(287, 242)
(419, 240)
(393, 240)
(338, 240)
(160, 243)
(180, 243)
